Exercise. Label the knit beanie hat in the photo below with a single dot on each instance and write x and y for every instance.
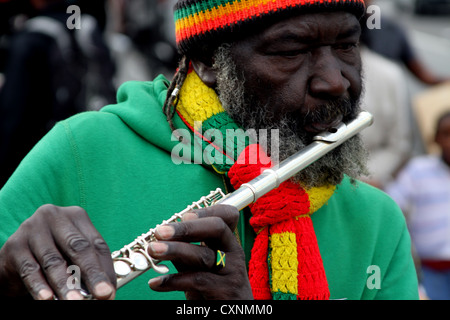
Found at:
(200, 24)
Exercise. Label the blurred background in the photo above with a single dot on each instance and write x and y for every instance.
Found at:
(50, 70)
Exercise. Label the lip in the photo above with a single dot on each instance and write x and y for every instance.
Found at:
(318, 127)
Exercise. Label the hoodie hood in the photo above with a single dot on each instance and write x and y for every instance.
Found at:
(140, 107)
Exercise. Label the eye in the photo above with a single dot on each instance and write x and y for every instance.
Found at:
(292, 53)
(288, 53)
(347, 46)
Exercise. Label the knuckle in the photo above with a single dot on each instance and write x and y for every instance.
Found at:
(232, 215)
(78, 243)
(52, 260)
(47, 210)
(26, 225)
(229, 214)
(28, 268)
(76, 211)
(200, 280)
(218, 225)
(102, 247)
(206, 259)
(181, 230)
(231, 211)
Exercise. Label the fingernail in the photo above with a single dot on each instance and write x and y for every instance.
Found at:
(45, 294)
(165, 232)
(159, 247)
(74, 295)
(189, 216)
(103, 289)
(156, 282)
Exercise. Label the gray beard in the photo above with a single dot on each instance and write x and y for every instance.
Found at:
(348, 159)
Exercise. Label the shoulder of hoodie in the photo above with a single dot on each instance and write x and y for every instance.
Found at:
(365, 205)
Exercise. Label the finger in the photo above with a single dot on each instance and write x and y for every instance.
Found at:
(32, 277)
(186, 281)
(229, 214)
(190, 256)
(211, 230)
(99, 245)
(21, 268)
(207, 285)
(28, 264)
(54, 266)
(81, 252)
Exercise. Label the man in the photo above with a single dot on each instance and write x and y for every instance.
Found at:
(282, 65)
(422, 190)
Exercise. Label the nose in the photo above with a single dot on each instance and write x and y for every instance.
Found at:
(327, 80)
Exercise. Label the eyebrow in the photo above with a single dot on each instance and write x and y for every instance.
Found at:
(304, 37)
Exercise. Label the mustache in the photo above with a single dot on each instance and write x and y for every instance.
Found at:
(345, 108)
(342, 109)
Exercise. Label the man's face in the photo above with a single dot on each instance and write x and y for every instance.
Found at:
(302, 63)
(301, 76)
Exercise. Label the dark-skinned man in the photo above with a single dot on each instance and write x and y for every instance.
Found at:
(289, 66)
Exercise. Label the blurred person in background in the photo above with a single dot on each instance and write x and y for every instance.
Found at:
(51, 72)
(389, 139)
(422, 190)
(392, 41)
(148, 24)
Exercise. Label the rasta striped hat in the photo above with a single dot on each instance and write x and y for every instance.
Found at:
(203, 23)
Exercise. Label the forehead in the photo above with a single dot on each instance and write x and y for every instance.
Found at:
(311, 27)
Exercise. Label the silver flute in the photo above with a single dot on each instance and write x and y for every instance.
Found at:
(133, 259)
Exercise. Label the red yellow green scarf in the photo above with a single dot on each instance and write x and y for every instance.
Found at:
(285, 261)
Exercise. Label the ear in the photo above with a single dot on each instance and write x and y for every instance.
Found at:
(205, 72)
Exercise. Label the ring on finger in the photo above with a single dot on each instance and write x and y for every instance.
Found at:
(220, 261)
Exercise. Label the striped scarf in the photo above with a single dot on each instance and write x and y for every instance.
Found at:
(285, 260)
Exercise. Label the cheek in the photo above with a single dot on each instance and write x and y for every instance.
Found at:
(353, 75)
(352, 71)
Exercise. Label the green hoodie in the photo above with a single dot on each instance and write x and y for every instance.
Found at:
(116, 164)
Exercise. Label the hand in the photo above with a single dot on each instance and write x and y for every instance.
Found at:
(198, 276)
(36, 257)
